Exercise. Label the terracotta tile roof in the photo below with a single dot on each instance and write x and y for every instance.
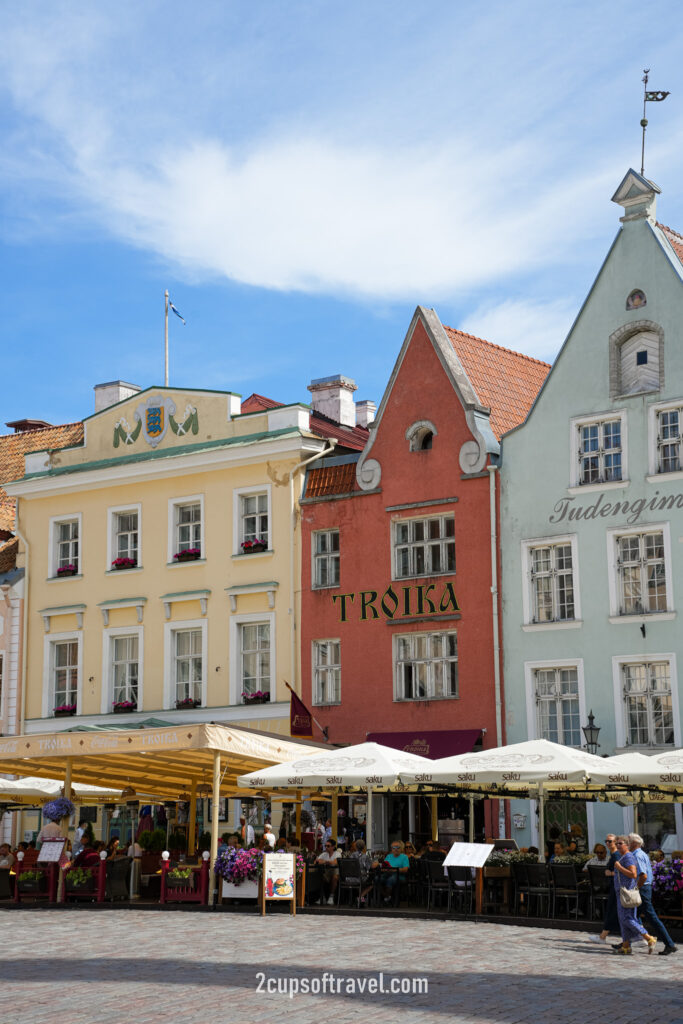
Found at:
(326, 480)
(505, 381)
(13, 448)
(347, 437)
(675, 240)
(8, 554)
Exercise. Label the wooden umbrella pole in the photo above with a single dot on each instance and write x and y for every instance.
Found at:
(214, 819)
(192, 827)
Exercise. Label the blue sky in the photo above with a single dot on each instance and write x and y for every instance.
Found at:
(301, 175)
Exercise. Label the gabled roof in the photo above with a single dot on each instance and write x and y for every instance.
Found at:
(8, 554)
(505, 381)
(13, 448)
(337, 476)
(673, 238)
(323, 426)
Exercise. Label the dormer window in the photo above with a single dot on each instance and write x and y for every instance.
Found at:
(636, 359)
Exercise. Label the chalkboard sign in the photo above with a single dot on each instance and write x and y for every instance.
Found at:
(87, 814)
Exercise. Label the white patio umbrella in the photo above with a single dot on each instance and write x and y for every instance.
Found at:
(549, 767)
(663, 770)
(366, 766)
(41, 789)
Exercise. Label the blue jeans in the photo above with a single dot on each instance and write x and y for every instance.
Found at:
(647, 910)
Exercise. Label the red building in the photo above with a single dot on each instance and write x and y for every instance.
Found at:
(399, 623)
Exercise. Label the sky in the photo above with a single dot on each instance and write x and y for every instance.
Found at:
(301, 175)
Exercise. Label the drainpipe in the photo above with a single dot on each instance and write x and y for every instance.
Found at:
(326, 451)
(24, 629)
(496, 629)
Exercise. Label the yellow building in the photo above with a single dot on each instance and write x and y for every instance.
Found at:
(162, 560)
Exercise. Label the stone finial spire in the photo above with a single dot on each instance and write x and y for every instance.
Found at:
(638, 196)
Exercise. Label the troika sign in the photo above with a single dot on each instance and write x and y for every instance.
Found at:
(397, 603)
(632, 510)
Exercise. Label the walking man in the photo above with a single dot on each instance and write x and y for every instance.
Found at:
(644, 883)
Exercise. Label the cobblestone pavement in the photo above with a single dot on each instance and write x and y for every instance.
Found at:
(145, 968)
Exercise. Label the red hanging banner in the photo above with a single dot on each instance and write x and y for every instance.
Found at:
(300, 718)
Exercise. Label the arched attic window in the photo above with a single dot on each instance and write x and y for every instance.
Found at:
(421, 435)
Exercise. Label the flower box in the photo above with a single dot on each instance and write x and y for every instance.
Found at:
(64, 712)
(189, 555)
(250, 547)
(187, 702)
(67, 570)
(124, 563)
(181, 883)
(255, 698)
(87, 886)
(124, 707)
(33, 884)
(247, 890)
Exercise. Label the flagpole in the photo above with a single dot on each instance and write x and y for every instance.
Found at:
(166, 337)
(643, 123)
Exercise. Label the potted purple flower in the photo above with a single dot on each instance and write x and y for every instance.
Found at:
(667, 883)
(124, 563)
(67, 570)
(120, 707)
(257, 697)
(188, 555)
(240, 871)
(64, 710)
(187, 702)
(250, 547)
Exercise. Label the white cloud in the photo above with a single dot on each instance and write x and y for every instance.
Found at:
(534, 328)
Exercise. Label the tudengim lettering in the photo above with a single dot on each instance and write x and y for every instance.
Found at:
(566, 511)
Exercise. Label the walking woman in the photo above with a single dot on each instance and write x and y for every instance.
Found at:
(625, 875)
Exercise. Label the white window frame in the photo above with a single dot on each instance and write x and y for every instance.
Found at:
(575, 424)
(654, 411)
(330, 556)
(618, 661)
(112, 513)
(170, 629)
(53, 545)
(236, 623)
(396, 639)
(527, 586)
(3, 687)
(247, 492)
(108, 636)
(315, 668)
(395, 545)
(616, 617)
(49, 642)
(530, 669)
(173, 504)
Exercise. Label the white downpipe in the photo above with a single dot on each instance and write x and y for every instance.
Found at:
(24, 625)
(292, 595)
(496, 631)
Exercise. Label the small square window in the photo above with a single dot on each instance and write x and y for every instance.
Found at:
(641, 358)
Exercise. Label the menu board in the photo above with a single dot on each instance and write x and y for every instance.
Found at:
(468, 855)
(279, 882)
(51, 851)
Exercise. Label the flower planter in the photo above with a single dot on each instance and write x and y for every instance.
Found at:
(88, 886)
(58, 713)
(247, 890)
(123, 711)
(181, 883)
(256, 700)
(185, 704)
(254, 548)
(186, 556)
(120, 568)
(37, 885)
(66, 572)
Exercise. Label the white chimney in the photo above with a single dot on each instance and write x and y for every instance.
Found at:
(112, 392)
(333, 397)
(365, 413)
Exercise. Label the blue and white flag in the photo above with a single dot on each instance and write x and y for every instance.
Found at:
(171, 306)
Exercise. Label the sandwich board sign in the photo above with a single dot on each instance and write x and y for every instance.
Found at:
(279, 880)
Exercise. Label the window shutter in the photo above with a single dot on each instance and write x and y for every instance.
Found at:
(635, 377)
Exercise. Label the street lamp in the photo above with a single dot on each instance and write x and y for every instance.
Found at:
(591, 732)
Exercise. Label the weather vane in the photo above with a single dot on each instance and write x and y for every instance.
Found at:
(648, 97)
